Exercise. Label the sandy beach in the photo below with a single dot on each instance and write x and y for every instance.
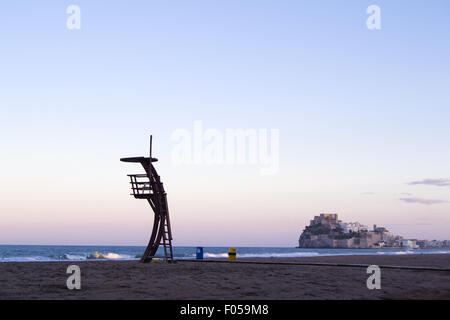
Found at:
(197, 280)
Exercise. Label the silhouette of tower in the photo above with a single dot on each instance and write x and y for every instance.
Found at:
(148, 186)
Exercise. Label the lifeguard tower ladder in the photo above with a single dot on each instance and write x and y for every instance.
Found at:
(149, 186)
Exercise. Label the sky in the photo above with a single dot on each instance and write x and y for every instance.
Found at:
(362, 117)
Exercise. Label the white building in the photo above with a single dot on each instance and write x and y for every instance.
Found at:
(348, 227)
(410, 244)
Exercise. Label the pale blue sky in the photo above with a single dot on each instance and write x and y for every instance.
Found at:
(358, 111)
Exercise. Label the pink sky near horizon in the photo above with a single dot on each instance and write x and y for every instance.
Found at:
(210, 206)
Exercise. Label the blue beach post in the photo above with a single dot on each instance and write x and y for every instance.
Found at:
(199, 253)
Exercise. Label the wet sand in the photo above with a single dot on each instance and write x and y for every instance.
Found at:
(197, 280)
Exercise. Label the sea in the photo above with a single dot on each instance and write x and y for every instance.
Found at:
(36, 253)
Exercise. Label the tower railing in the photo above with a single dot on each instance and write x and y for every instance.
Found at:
(140, 185)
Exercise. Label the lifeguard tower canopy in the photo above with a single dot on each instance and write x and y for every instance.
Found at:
(148, 186)
(138, 159)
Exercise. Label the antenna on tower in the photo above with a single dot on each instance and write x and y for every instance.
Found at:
(150, 162)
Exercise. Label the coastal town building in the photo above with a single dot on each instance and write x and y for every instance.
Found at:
(433, 244)
(327, 231)
(410, 244)
(348, 227)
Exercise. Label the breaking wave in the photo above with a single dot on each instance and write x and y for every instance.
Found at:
(278, 255)
(208, 255)
(110, 255)
(69, 257)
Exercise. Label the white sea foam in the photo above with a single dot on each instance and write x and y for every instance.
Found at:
(278, 255)
(315, 254)
(215, 255)
(110, 256)
(404, 252)
(74, 257)
(263, 255)
(25, 259)
(69, 257)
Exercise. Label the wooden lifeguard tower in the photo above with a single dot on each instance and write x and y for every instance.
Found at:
(148, 186)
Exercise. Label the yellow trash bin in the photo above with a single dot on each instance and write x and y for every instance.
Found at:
(232, 254)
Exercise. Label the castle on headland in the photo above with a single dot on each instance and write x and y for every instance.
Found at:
(326, 231)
